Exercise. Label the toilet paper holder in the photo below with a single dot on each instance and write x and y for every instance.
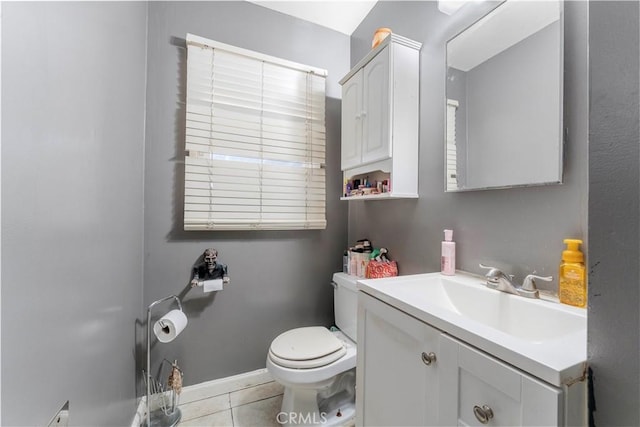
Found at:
(158, 418)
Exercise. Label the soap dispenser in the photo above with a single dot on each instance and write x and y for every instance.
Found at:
(448, 260)
(572, 283)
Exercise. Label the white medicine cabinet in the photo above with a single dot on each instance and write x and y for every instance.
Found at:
(380, 104)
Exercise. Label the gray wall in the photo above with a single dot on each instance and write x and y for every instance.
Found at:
(73, 84)
(513, 114)
(520, 230)
(614, 189)
(279, 280)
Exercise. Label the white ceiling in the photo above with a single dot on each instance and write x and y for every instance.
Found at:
(339, 15)
(508, 24)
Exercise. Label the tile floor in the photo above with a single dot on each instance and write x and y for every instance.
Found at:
(245, 400)
(239, 404)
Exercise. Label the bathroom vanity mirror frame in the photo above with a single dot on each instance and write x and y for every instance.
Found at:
(507, 78)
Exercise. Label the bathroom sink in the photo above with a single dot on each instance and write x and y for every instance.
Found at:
(507, 312)
(541, 336)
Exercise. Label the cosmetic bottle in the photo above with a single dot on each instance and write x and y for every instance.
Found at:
(448, 260)
(345, 262)
(572, 278)
(353, 262)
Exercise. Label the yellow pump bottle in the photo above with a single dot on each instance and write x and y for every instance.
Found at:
(572, 286)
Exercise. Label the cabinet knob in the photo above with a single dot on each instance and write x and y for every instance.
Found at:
(428, 358)
(483, 413)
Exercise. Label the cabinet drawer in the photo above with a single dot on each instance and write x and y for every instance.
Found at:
(490, 392)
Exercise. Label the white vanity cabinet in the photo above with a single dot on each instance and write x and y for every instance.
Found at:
(411, 373)
(380, 103)
(397, 367)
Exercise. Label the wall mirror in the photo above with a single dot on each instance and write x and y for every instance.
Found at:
(504, 99)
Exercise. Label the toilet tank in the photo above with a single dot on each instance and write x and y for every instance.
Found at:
(345, 304)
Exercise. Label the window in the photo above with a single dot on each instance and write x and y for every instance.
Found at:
(255, 141)
(452, 167)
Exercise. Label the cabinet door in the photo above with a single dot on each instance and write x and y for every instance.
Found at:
(352, 122)
(376, 137)
(395, 387)
(477, 389)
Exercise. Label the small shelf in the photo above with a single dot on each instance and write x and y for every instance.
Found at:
(381, 196)
(379, 180)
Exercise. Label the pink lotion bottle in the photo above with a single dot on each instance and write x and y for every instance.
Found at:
(448, 260)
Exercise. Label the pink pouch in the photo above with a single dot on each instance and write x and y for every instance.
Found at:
(378, 269)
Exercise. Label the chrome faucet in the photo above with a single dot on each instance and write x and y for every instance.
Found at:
(496, 279)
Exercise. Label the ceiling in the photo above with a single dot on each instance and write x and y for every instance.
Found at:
(339, 15)
(505, 26)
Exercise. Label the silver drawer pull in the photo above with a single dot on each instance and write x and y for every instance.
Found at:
(428, 358)
(334, 284)
(483, 414)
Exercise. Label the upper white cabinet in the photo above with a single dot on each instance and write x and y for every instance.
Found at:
(380, 104)
(365, 114)
(352, 128)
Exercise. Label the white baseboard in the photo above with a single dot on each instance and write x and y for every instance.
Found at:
(209, 389)
(140, 412)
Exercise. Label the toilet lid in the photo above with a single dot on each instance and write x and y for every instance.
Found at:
(308, 364)
(308, 343)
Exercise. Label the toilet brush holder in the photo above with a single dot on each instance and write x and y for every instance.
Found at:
(167, 414)
(166, 400)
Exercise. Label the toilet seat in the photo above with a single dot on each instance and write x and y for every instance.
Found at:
(308, 364)
(306, 348)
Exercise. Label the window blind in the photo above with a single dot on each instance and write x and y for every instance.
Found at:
(452, 174)
(255, 141)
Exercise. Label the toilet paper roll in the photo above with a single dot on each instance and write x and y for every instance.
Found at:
(169, 326)
(212, 285)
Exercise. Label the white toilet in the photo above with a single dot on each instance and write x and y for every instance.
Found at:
(316, 366)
